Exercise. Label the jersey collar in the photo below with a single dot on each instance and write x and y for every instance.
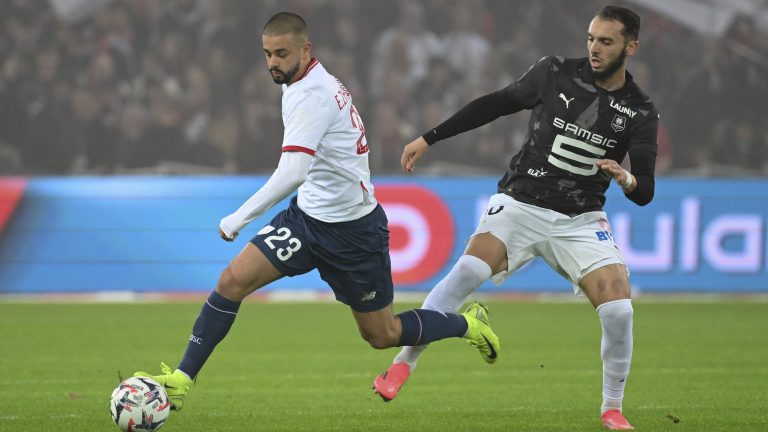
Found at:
(312, 63)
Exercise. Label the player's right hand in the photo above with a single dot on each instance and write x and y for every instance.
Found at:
(413, 152)
(224, 235)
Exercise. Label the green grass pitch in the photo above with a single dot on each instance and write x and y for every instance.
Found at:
(303, 367)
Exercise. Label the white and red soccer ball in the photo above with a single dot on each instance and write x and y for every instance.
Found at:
(139, 404)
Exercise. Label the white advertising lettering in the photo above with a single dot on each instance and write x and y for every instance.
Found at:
(729, 243)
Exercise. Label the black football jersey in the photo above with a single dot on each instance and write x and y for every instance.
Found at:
(573, 123)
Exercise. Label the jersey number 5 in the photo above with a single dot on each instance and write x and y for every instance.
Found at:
(357, 123)
(566, 159)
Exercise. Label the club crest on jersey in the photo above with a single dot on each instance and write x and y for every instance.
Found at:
(619, 123)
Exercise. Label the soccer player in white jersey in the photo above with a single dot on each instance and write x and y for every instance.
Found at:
(587, 114)
(334, 225)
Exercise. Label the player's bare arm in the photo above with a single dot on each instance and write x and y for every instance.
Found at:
(622, 177)
(412, 152)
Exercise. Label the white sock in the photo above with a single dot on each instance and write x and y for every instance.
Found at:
(449, 295)
(616, 350)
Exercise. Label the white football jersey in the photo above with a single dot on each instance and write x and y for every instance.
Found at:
(320, 120)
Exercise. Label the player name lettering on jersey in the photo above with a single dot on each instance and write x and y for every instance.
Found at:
(580, 132)
(342, 97)
(622, 109)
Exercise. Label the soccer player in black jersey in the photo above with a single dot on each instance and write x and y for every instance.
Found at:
(587, 114)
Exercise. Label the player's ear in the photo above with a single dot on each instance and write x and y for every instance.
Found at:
(632, 47)
(306, 49)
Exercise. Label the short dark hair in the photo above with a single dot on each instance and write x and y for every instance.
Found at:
(285, 23)
(626, 16)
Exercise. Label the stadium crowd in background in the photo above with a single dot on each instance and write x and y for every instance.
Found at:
(178, 86)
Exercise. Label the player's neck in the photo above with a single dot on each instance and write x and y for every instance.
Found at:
(613, 82)
(304, 68)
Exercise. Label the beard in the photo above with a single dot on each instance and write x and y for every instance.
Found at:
(611, 67)
(284, 77)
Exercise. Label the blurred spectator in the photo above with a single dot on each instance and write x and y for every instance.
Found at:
(132, 127)
(261, 135)
(49, 144)
(181, 86)
(699, 92)
(443, 86)
(164, 140)
(387, 134)
(407, 47)
(467, 50)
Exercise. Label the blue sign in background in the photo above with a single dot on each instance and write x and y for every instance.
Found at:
(161, 234)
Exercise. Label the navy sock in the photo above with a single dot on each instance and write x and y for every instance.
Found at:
(422, 326)
(213, 323)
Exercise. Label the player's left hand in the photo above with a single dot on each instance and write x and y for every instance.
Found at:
(412, 152)
(224, 236)
(619, 174)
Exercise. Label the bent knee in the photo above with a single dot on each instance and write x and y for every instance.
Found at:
(230, 287)
(380, 343)
(381, 340)
(620, 310)
(625, 311)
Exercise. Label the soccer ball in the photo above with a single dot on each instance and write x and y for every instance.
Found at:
(139, 404)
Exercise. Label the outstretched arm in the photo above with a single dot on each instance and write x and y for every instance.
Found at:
(522, 94)
(479, 112)
(291, 172)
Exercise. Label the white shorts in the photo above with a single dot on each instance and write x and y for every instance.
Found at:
(572, 246)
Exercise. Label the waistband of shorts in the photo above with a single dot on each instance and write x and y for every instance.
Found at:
(355, 223)
(533, 202)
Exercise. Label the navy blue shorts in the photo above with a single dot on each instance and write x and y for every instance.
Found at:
(352, 257)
